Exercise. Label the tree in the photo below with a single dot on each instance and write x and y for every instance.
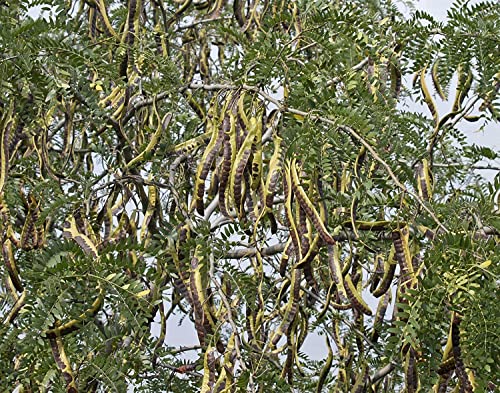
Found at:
(252, 166)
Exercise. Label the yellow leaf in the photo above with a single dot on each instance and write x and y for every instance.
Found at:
(485, 264)
(143, 293)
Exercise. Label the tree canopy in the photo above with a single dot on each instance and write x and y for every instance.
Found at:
(260, 168)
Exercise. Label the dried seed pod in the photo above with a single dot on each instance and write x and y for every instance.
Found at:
(307, 205)
(355, 297)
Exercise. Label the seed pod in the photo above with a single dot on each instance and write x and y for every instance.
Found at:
(10, 264)
(208, 371)
(289, 218)
(291, 308)
(411, 374)
(379, 315)
(428, 98)
(256, 166)
(6, 123)
(76, 323)
(355, 297)
(228, 157)
(400, 238)
(240, 163)
(71, 231)
(206, 161)
(465, 384)
(274, 171)
(464, 83)
(63, 363)
(285, 256)
(435, 80)
(336, 270)
(307, 205)
(193, 143)
(424, 180)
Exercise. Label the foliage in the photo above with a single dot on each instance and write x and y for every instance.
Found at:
(251, 166)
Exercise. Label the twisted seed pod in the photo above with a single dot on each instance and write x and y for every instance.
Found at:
(428, 98)
(465, 384)
(289, 218)
(274, 171)
(206, 161)
(71, 231)
(336, 270)
(355, 297)
(307, 205)
(389, 270)
(228, 156)
(411, 373)
(285, 256)
(291, 308)
(379, 315)
(435, 80)
(198, 297)
(464, 83)
(10, 264)
(424, 180)
(256, 165)
(240, 163)
(63, 363)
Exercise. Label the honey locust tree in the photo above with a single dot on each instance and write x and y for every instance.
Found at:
(258, 170)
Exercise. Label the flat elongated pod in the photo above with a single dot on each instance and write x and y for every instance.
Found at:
(411, 373)
(18, 304)
(6, 124)
(238, 6)
(256, 166)
(435, 80)
(424, 180)
(362, 376)
(206, 161)
(274, 171)
(465, 383)
(285, 257)
(208, 371)
(428, 97)
(152, 200)
(77, 323)
(379, 315)
(193, 143)
(307, 205)
(10, 264)
(336, 270)
(289, 217)
(240, 163)
(464, 84)
(400, 238)
(228, 157)
(71, 231)
(396, 79)
(63, 363)
(326, 367)
(291, 307)
(355, 297)
(201, 297)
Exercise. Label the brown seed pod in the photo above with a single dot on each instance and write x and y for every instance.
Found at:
(307, 205)
(355, 297)
(465, 384)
